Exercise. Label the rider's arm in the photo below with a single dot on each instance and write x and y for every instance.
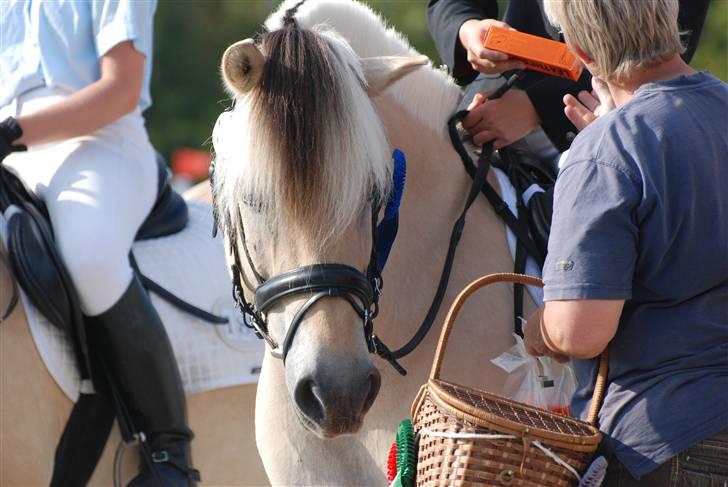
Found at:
(112, 96)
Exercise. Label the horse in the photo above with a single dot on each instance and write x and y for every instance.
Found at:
(34, 411)
(302, 165)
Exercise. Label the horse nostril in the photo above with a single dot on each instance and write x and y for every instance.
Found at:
(308, 401)
(375, 381)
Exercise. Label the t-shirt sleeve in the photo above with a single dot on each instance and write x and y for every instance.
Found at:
(592, 248)
(116, 21)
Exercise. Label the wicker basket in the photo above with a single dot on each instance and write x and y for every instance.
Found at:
(472, 437)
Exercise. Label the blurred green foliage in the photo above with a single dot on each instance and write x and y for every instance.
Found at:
(191, 36)
(712, 53)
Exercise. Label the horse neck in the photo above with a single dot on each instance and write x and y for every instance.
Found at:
(434, 195)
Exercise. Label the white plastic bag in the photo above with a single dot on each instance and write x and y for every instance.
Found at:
(538, 381)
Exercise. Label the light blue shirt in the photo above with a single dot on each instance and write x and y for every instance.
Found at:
(58, 43)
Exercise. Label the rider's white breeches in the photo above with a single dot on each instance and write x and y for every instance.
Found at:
(99, 188)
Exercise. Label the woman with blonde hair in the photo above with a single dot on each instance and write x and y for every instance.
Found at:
(638, 254)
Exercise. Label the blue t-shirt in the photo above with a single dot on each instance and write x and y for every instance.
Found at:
(58, 43)
(641, 214)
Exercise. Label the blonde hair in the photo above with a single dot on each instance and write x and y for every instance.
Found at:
(620, 36)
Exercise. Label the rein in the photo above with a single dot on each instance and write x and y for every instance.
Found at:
(479, 184)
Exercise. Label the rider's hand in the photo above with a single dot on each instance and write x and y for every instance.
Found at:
(589, 106)
(472, 35)
(533, 339)
(504, 120)
(10, 131)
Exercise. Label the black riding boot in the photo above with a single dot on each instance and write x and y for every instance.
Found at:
(134, 346)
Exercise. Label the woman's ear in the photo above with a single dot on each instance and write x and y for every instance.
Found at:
(242, 67)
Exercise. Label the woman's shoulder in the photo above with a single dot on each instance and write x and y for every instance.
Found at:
(610, 141)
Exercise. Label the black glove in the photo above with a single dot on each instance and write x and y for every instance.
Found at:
(10, 131)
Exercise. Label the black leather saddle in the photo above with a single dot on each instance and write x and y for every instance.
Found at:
(169, 214)
(37, 266)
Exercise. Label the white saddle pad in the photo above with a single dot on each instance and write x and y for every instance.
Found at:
(191, 265)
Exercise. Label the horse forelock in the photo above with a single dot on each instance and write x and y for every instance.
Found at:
(306, 146)
(297, 100)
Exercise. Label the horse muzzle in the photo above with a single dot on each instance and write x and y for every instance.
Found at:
(332, 399)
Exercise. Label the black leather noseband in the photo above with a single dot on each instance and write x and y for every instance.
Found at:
(313, 278)
(320, 281)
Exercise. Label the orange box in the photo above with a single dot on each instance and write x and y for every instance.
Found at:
(537, 53)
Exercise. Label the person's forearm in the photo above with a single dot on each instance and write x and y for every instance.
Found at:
(83, 112)
(114, 95)
(444, 18)
(580, 328)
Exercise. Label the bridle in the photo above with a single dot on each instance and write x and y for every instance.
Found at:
(361, 291)
(319, 281)
(330, 280)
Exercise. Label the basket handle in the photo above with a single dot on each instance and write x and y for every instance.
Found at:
(519, 279)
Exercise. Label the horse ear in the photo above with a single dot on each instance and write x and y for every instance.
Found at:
(242, 67)
(382, 71)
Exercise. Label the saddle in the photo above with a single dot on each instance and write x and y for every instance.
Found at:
(534, 181)
(38, 267)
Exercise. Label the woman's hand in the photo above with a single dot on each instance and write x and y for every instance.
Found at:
(589, 106)
(472, 35)
(10, 132)
(503, 120)
(112, 96)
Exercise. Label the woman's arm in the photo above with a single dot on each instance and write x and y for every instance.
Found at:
(580, 328)
(115, 94)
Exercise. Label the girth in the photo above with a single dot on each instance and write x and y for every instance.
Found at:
(41, 273)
